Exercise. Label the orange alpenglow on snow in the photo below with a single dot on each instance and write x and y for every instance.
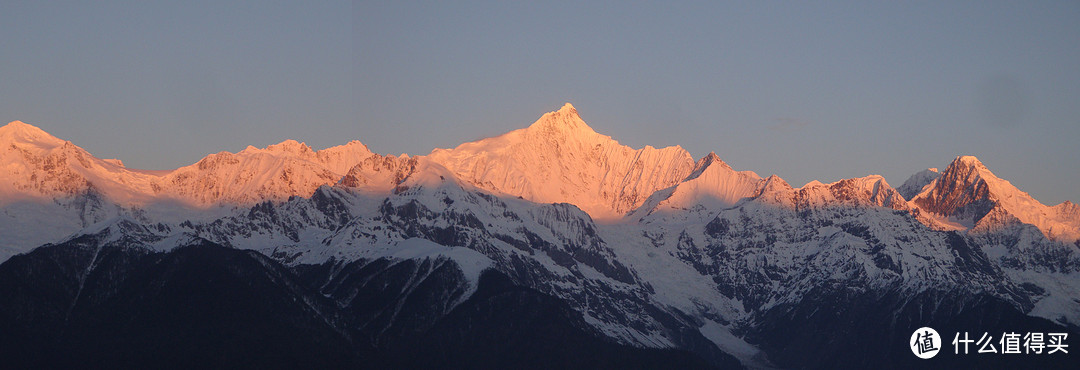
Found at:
(557, 159)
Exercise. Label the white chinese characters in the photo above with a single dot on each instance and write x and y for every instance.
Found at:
(1012, 343)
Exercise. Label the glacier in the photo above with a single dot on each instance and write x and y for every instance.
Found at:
(650, 247)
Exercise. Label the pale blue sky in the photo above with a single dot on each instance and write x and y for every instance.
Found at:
(825, 91)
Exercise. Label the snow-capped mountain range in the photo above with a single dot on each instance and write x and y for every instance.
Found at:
(650, 247)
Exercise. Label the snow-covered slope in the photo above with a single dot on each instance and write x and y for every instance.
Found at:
(651, 248)
(560, 159)
(36, 164)
(379, 174)
(869, 191)
(39, 165)
(914, 184)
(50, 188)
(713, 185)
(254, 175)
(969, 194)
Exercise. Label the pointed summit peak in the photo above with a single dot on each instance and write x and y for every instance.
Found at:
(17, 131)
(14, 124)
(712, 158)
(17, 124)
(968, 190)
(966, 161)
(776, 182)
(970, 168)
(290, 146)
(566, 115)
(354, 147)
(776, 186)
(353, 143)
(707, 162)
(568, 108)
(563, 121)
(917, 182)
(967, 166)
(20, 127)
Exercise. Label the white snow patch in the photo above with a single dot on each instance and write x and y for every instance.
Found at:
(749, 355)
(471, 263)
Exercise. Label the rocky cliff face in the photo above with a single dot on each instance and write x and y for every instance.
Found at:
(549, 231)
